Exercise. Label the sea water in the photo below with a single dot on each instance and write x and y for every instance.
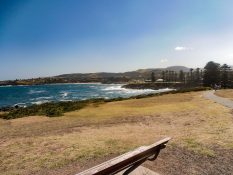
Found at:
(38, 94)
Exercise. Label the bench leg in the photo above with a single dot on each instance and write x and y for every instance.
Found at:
(134, 166)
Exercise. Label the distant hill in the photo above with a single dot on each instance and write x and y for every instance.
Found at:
(104, 77)
(171, 68)
(178, 68)
(108, 77)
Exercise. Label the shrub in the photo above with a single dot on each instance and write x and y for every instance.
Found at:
(54, 112)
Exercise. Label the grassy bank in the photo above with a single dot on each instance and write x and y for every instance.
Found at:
(55, 109)
(201, 131)
(225, 93)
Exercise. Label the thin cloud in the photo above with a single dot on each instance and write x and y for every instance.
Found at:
(163, 60)
(182, 48)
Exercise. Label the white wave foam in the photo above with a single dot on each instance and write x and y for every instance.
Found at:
(6, 86)
(109, 92)
(20, 105)
(119, 88)
(166, 90)
(39, 98)
(64, 94)
(113, 88)
(36, 91)
(40, 102)
(64, 100)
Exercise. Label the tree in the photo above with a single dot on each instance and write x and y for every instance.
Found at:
(153, 77)
(169, 75)
(191, 76)
(225, 69)
(175, 76)
(163, 75)
(231, 78)
(201, 74)
(211, 74)
(197, 76)
(181, 76)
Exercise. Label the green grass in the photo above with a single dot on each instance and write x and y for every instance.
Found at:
(197, 147)
(48, 109)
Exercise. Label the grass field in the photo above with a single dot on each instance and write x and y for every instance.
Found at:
(226, 93)
(201, 130)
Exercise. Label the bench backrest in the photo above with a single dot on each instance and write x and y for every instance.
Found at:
(127, 160)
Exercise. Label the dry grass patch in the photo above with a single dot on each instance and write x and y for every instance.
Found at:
(36, 144)
(226, 93)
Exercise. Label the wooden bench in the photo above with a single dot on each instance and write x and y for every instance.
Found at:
(129, 161)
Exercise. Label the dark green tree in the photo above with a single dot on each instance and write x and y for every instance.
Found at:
(191, 76)
(197, 76)
(181, 76)
(163, 75)
(153, 77)
(167, 75)
(225, 70)
(211, 74)
(231, 78)
(175, 76)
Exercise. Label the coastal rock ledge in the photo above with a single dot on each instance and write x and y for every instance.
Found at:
(155, 86)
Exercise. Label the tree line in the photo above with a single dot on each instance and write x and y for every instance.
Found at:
(212, 74)
(217, 74)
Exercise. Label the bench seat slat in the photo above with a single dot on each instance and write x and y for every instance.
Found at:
(124, 161)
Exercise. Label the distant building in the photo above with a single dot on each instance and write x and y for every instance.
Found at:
(159, 80)
(136, 81)
(148, 81)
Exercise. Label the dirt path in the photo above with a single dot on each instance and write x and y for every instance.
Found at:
(223, 101)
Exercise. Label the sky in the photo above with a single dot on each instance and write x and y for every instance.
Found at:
(41, 38)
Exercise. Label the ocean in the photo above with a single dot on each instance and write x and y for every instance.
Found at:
(38, 94)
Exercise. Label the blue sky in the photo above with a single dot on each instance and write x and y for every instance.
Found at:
(50, 37)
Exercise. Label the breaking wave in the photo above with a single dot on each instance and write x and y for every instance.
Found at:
(36, 91)
(66, 92)
(40, 102)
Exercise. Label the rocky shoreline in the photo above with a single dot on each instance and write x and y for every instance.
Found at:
(155, 86)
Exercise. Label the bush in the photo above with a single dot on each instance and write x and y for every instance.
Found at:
(54, 112)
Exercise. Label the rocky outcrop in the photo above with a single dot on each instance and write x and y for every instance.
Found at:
(155, 86)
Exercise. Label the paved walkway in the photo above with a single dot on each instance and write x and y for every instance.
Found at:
(223, 101)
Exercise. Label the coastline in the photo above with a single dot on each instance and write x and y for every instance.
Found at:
(152, 92)
(56, 109)
(28, 95)
(10, 85)
(142, 89)
(156, 85)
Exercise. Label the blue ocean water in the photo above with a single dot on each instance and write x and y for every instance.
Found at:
(28, 95)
